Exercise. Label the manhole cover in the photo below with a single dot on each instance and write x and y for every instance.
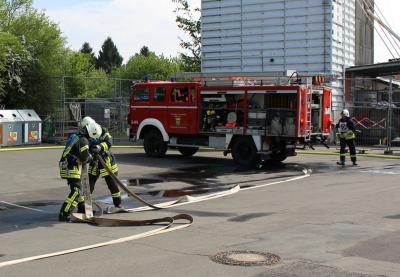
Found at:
(245, 258)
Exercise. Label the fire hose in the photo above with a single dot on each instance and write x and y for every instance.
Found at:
(168, 221)
(102, 221)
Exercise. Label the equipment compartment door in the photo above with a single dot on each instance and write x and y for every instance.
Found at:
(304, 112)
(326, 112)
(182, 110)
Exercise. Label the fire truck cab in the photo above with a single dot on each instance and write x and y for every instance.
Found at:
(252, 121)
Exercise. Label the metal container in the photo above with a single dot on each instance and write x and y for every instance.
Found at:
(11, 128)
(32, 131)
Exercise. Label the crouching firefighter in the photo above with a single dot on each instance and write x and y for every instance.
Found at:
(101, 147)
(76, 152)
(347, 135)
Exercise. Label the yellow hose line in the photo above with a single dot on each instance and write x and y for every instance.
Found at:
(54, 147)
(207, 149)
(359, 155)
(30, 148)
(62, 147)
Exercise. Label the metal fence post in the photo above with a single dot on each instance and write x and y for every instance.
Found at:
(63, 106)
(389, 123)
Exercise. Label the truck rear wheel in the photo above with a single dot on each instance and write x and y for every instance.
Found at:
(244, 152)
(188, 151)
(154, 144)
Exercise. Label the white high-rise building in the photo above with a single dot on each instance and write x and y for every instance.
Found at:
(309, 36)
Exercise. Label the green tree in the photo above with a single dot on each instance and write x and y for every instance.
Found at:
(38, 55)
(188, 21)
(14, 60)
(109, 56)
(156, 67)
(77, 66)
(144, 51)
(87, 49)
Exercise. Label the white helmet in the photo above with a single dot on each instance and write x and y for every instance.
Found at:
(86, 121)
(94, 130)
(345, 113)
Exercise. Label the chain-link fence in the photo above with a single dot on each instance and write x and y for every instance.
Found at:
(375, 109)
(374, 105)
(104, 99)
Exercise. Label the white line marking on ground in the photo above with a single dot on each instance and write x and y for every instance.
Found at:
(23, 207)
(307, 173)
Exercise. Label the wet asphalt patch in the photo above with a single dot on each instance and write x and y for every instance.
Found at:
(249, 216)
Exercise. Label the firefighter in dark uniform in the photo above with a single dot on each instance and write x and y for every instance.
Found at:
(101, 146)
(75, 153)
(347, 135)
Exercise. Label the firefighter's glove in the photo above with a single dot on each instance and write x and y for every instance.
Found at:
(89, 159)
(96, 150)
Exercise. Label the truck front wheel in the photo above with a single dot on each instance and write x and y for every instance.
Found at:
(244, 152)
(278, 157)
(154, 145)
(188, 151)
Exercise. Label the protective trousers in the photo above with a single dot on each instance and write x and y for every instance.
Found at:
(112, 186)
(352, 148)
(74, 199)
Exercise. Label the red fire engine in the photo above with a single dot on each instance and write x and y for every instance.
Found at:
(251, 119)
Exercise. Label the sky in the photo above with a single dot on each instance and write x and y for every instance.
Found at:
(134, 23)
(130, 23)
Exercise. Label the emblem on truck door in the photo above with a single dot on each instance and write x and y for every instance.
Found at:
(177, 121)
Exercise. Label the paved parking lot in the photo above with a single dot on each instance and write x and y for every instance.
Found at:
(336, 222)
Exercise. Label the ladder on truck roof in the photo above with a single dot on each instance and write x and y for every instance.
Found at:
(289, 77)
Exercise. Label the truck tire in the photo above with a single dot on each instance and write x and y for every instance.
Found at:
(278, 157)
(188, 151)
(244, 152)
(154, 145)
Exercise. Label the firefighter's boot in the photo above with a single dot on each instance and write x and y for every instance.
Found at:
(64, 216)
(354, 161)
(69, 203)
(342, 159)
(116, 197)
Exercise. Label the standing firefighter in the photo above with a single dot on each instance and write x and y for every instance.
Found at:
(76, 152)
(101, 147)
(347, 135)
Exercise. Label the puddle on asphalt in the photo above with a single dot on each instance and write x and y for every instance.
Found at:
(249, 216)
(396, 216)
(4, 207)
(381, 172)
(137, 182)
(205, 179)
(33, 204)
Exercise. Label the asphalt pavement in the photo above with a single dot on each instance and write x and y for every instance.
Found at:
(319, 218)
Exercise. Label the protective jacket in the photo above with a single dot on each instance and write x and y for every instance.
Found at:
(346, 129)
(105, 142)
(76, 151)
